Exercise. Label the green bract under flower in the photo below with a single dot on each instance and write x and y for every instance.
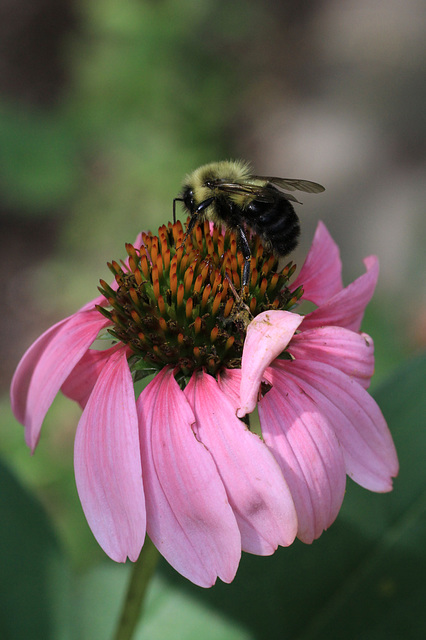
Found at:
(179, 301)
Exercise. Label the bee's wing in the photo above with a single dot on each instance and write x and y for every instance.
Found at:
(259, 192)
(294, 185)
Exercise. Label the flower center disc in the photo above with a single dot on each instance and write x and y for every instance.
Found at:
(178, 301)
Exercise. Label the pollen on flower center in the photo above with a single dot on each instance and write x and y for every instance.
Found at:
(179, 301)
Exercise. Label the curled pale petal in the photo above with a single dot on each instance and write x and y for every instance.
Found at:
(346, 309)
(107, 463)
(352, 353)
(256, 488)
(267, 336)
(47, 364)
(368, 448)
(306, 447)
(79, 384)
(189, 518)
(321, 273)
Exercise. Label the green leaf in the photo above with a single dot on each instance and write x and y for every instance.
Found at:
(34, 581)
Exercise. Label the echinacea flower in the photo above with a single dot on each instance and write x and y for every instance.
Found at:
(184, 462)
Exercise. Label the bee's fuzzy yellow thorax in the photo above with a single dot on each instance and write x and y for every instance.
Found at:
(227, 170)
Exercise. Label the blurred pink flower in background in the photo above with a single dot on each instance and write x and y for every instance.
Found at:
(179, 462)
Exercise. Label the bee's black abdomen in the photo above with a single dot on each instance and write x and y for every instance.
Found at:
(276, 223)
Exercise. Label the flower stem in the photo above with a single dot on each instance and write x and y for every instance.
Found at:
(142, 571)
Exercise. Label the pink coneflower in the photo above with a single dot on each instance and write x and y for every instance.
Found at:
(184, 461)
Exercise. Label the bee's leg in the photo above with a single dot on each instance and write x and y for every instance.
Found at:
(245, 250)
(191, 224)
(194, 216)
(203, 205)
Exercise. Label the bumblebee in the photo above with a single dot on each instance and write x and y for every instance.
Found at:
(229, 194)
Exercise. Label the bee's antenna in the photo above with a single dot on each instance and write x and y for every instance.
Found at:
(174, 207)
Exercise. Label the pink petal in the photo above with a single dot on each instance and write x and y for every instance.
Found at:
(346, 309)
(368, 449)
(321, 274)
(267, 336)
(351, 352)
(307, 450)
(47, 364)
(107, 463)
(229, 381)
(24, 371)
(256, 489)
(79, 384)
(189, 518)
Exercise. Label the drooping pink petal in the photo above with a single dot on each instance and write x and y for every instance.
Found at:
(352, 353)
(189, 518)
(346, 309)
(256, 488)
(267, 336)
(321, 273)
(107, 463)
(79, 384)
(368, 449)
(307, 450)
(47, 364)
(25, 369)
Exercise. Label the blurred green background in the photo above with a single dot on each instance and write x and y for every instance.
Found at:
(105, 105)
